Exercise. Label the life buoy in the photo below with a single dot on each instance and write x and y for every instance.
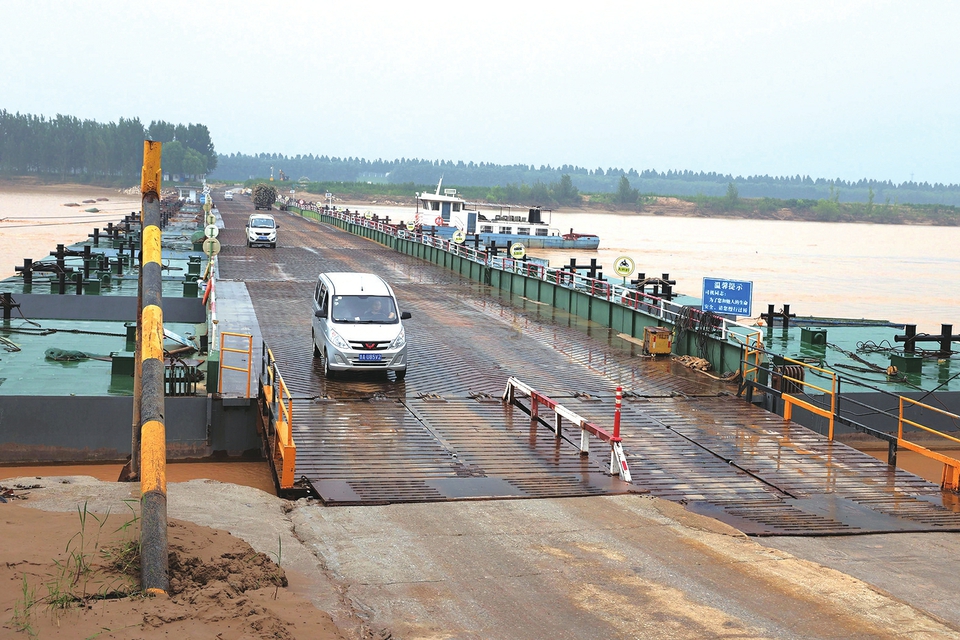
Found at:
(207, 291)
(438, 221)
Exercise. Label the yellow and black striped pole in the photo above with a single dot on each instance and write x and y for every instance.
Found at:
(154, 569)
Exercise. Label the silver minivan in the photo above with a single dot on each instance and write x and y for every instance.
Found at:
(357, 325)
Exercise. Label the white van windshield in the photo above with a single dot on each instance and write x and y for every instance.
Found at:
(261, 223)
(364, 310)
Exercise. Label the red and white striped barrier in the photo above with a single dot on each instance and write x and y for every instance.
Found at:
(618, 460)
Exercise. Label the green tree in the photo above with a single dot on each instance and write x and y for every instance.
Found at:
(827, 210)
(172, 156)
(194, 163)
(540, 194)
(160, 131)
(625, 194)
(733, 195)
(564, 192)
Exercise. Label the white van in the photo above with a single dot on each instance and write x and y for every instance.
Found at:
(357, 325)
(262, 229)
(228, 195)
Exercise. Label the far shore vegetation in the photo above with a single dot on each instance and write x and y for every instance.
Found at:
(626, 199)
(65, 149)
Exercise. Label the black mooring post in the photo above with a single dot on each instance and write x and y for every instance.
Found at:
(59, 253)
(593, 269)
(86, 260)
(26, 270)
(8, 305)
(910, 344)
(946, 337)
(62, 290)
(786, 317)
(668, 288)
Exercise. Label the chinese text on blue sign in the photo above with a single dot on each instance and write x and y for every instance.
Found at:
(733, 297)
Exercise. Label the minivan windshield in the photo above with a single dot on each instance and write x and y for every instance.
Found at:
(364, 310)
(261, 223)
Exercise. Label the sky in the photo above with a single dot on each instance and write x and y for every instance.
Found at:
(844, 90)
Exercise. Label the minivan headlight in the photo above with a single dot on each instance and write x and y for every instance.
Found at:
(337, 341)
(399, 341)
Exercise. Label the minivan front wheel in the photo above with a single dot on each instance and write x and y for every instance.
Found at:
(328, 373)
(313, 339)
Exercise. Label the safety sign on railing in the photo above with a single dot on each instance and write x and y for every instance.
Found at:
(624, 266)
(733, 297)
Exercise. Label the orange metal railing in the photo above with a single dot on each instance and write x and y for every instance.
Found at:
(225, 349)
(280, 415)
(950, 479)
(951, 467)
(789, 399)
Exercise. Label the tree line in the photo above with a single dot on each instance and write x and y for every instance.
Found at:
(322, 168)
(68, 149)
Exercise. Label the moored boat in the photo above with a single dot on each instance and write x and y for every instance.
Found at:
(445, 213)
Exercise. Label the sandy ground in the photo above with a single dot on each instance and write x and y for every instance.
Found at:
(600, 567)
(75, 573)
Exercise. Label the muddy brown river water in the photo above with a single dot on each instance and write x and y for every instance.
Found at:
(249, 474)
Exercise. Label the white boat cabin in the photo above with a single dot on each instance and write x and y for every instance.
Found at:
(522, 225)
(449, 209)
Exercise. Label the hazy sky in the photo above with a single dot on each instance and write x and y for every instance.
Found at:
(848, 89)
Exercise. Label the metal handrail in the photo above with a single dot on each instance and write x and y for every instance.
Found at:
(618, 460)
(224, 349)
(950, 478)
(623, 295)
(277, 398)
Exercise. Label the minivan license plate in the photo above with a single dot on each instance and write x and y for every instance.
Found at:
(369, 357)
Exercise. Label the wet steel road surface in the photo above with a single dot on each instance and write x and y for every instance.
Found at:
(442, 433)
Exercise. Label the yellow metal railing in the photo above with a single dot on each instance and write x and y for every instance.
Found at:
(224, 349)
(277, 397)
(789, 399)
(755, 351)
(951, 467)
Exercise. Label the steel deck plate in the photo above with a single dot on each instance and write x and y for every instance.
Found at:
(442, 434)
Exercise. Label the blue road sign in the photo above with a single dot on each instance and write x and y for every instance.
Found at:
(731, 297)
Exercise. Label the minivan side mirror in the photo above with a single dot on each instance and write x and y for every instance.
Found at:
(405, 315)
(321, 312)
